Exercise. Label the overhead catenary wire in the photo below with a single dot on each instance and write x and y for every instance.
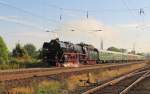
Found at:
(30, 24)
(131, 12)
(92, 10)
(22, 23)
(89, 10)
(64, 9)
(136, 21)
(30, 13)
(125, 4)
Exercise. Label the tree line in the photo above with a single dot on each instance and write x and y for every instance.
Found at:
(20, 56)
(122, 50)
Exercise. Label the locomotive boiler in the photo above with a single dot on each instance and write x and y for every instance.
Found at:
(59, 53)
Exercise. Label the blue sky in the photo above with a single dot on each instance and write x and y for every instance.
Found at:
(25, 21)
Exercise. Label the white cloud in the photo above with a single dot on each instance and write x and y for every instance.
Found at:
(131, 33)
(85, 31)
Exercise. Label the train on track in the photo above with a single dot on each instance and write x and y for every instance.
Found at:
(66, 54)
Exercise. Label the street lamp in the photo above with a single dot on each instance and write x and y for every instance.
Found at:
(96, 30)
(72, 30)
(55, 33)
(89, 30)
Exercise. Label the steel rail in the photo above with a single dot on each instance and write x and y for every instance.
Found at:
(21, 74)
(147, 74)
(112, 82)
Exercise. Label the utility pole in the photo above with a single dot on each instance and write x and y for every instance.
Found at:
(87, 14)
(101, 44)
(60, 17)
(133, 50)
(133, 46)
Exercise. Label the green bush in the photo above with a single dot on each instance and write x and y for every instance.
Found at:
(13, 64)
(2, 88)
(2, 61)
(3, 51)
(51, 87)
(4, 66)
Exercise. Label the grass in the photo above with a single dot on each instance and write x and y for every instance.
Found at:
(101, 75)
(49, 87)
(45, 87)
(107, 74)
(2, 88)
(73, 81)
(21, 90)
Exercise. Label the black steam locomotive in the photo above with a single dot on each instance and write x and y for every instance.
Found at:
(66, 54)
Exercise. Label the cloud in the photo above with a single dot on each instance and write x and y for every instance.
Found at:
(86, 30)
(83, 31)
(131, 33)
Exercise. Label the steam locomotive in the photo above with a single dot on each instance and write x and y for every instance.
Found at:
(66, 54)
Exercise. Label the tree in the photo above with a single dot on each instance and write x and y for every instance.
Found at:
(31, 49)
(113, 49)
(142, 54)
(39, 54)
(117, 49)
(19, 51)
(3, 51)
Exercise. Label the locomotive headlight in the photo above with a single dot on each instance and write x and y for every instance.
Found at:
(65, 56)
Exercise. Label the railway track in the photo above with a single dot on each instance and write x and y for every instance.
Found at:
(142, 87)
(121, 85)
(8, 75)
